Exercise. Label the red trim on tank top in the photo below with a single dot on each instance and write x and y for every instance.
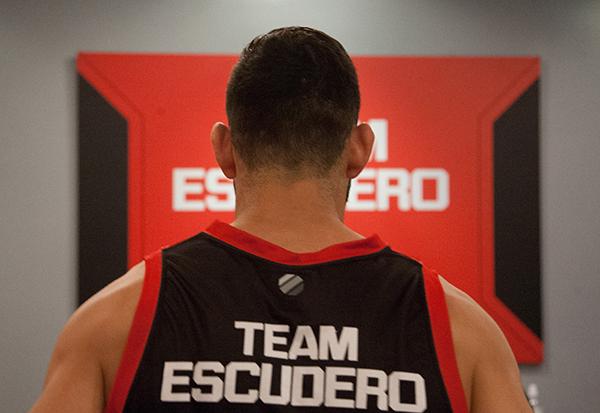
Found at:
(138, 334)
(442, 339)
(262, 248)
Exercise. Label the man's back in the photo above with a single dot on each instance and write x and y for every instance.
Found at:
(186, 328)
(241, 324)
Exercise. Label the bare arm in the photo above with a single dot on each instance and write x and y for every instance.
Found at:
(88, 350)
(488, 368)
(74, 381)
(496, 380)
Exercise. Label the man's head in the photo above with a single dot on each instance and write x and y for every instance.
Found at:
(292, 105)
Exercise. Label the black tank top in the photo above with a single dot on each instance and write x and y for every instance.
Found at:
(228, 322)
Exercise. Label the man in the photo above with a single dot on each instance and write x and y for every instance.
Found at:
(286, 309)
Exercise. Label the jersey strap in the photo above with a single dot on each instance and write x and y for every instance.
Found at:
(442, 338)
(138, 334)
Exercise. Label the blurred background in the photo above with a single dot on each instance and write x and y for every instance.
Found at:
(38, 147)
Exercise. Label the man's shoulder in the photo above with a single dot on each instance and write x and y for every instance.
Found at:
(109, 310)
(482, 352)
(89, 348)
(472, 327)
(100, 326)
(113, 307)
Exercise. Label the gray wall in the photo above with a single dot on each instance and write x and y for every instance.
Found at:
(38, 43)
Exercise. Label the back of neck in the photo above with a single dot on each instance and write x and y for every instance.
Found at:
(301, 216)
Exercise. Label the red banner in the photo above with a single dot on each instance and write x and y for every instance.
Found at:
(429, 190)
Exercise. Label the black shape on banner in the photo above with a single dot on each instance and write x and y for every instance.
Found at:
(102, 192)
(516, 209)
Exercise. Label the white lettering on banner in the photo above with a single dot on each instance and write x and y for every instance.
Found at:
(380, 147)
(210, 189)
(387, 189)
(375, 189)
(303, 386)
(442, 180)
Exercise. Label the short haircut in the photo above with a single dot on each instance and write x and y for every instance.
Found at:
(292, 101)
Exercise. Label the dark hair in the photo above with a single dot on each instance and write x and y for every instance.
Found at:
(292, 100)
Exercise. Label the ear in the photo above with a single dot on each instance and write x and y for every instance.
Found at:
(220, 137)
(358, 149)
